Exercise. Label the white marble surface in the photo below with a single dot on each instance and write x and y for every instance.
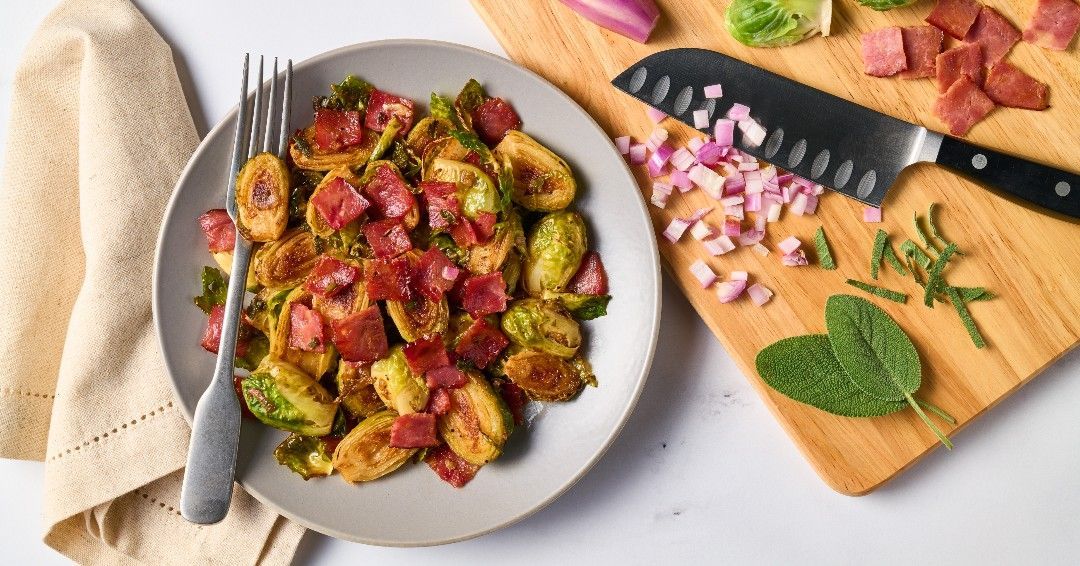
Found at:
(702, 472)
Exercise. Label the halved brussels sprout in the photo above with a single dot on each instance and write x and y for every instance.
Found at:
(511, 271)
(288, 261)
(475, 188)
(262, 312)
(399, 388)
(356, 390)
(305, 455)
(314, 363)
(545, 377)
(459, 323)
(365, 453)
(419, 317)
(478, 422)
(262, 198)
(555, 248)
(224, 261)
(281, 395)
(306, 155)
(352, 299)
(542, 180)
(583, 307)
(315, 220)
(490, 256)
(444, 148)
(426, 131)
(542, 325)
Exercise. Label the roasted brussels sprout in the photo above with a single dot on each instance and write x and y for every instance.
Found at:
(314, 363)
(224, 261)
(307, 155)
(555, 248)
(262, 198)
(419, 317)
(583, 307)
(492, 255)
(425, 132)
(459, 323)
(281, 395)
(542, 325)
(546, 377)
(542, 180)
(305, 455)
(475, 188)
(478, 422)
(315, 220)
(263, 310)
(365, 453)
(356, 390)
(444, 148)
(352, 299)
(399, 388)
(288, 261)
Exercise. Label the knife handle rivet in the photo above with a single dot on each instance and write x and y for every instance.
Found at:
(1062, 189)
(978, 161)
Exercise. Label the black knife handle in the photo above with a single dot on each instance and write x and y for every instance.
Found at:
(1039, 184)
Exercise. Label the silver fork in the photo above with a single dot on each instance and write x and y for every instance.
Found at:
(215, 431)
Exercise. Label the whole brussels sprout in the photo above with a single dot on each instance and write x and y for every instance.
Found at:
(398, 387)
(475, 188)
(546, 377)
(542, 325)
(365, 453)
(313, 363)
(285, 263)
(281, 395)
(356, 390)
(478, 422)
(305, 455)
(555, 248)
(542, 180)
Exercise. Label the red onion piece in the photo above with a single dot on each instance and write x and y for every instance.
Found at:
(702, 231)
(731, 201)
(735, 211)
(759, 294)
(632, 18)
(739, 276)
(772, 211)
(719, 245)
(724, 132)
(753, 133)
(709, 154)
(676, 229)
(760, 250)
(798, 204)
(739, 112)
(714, 91)
(794, 259)
(703, 273)
(682, 180)
(658, 136)
(637, 153)
(699, 214)
(708, 180)
(871, 214)
(450, 273)
(751, 237)
(728, 291)
(811, 204)
(682, 159)
(695, 144)
(655, 115)
(753, 202)
(790, 244)
(701, 119)
(622, 143)
(732, 227)
(784, 178)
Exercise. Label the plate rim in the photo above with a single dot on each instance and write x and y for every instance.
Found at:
(639, 384)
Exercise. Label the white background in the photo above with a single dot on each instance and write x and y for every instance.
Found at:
(702, 472)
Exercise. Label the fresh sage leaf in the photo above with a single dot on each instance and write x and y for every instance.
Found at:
(825, 258)
(872, 348)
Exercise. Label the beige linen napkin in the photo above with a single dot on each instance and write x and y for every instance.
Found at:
(99, 133)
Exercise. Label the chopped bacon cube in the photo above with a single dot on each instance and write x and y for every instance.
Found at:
(464, 234)
(306, 329)
(219, 230)
(883, 52)
(994, 34)
(493, 118)
(481, 343)
(590, 279)
(339, 203)
(453, 469)
(921, 45)
(389, 193)
(1053, 24)
(387, 238)
(484, 226)
(1009, 86)
(389, 279)
(415, 430)
(954, 17)
(474, 159)
(431, 272)
(425, 354)
(961, 61)
(330, 277)
(515, 400)
(456, 294)
(962, 106)
(447, 377)
(443, 206)
(438, 402)
(485, 294)
(337, 129)
(360, 337)
(211, 337)
(382, 106)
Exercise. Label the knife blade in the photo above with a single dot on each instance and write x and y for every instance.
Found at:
(846, 147)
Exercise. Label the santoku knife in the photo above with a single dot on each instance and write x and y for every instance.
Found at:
(849, 148)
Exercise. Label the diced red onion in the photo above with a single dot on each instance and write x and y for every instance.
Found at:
(749, 166)
(702, 230)
(450, 273)
(771, 187)
(871, 214)
(699, 214)
(811, 204)
(753, 133)
(714, 91)
(681, 180)
(739, 276)
(731, 201)
(728, 291)
(703, 273)
(753, 182)
(659, 200)
(719, 245)
(682, 159)
(735, 211)
(655, 115)
(789, 244)
(751, 237)
(794, 259)
(753, 202)
(631, 18)
(798, 204)
(732, 227)
(661, 154)
(662, 187)
(739, 112)
(784, 178)
(760, 250)
(772, 211)
(676, 229)
(622, 143)
(709, 181)
(759, 223)
(803, 182)
(637, 153)
(768, 173)
(710, 154)
(695, 143)
(759, 294)
(658, 136)
(701, 119)
(818, 190)
(787, 193)
(655, 170)
(724, 132)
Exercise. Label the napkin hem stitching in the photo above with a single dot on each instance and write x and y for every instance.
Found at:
(8, 391)
(115, 431)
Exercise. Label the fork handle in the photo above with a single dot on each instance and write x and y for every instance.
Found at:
(215, 430)
(1045, 186)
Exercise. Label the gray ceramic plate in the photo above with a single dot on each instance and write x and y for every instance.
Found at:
(413, 506)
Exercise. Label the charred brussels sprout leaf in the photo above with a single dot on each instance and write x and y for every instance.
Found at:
(257, 349)
(447, 246)
(264, 309)
(542, 325)
(426, 132)
(305, 455)
(419, 317)
(350, 94)
(546, 377)
(883, 5)
(775, 23)
(262, 198)
(286, 262)
(555, 248)
(443, 108)
(542, 181)
(472, 95)
(214, 289)
(387, 137)
(399, 388)
(365, 453)
(282, 396)
(309, 157)
(478, 422)
(399, 156)
(583, 307)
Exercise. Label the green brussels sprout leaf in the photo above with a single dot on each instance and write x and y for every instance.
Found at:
(387, 137)
(282, 396)
(305, 455)
(883, 5)
(350, 94)
(471, 96)
(258, 348)
(443, 107)
(214, 289)
(774, 23)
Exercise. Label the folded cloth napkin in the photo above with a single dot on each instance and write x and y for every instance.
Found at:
(99, 133)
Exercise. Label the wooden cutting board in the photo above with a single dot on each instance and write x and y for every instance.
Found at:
(1029, 260)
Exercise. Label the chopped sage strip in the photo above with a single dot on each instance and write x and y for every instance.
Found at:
(922, 233)
(880, 240)
(965, 316)
(933, 281)
(825, 258)
(894, 296)
(974, 294)
(911, 249)
(933, 227)
(914, 271)
(893, 260)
